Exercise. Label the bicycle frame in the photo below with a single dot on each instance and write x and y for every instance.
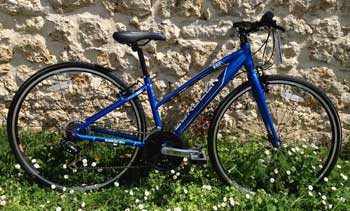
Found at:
(234, 62)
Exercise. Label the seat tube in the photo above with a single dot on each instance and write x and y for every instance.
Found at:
(259, 95)
(153, 102)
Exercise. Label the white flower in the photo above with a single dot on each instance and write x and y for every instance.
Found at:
(64, 166)
(343, 176)
(53, 186)
(177, 209)
(330, 206)
(272, 180)
(2, 203)
(342, 199)
(247, 196)
(116, 184)
(232, 202)
(93, 164)
(84, 161)
(276, 171)
(208, 187)
(71, 191)
(325, 179)
(33, 160)
(215, 208)
(65, 176)
(310, 193)
(3, 197)
(36, 166)
(267, 152)
(288, 172)
(224, 199)
(324, 202)
(185, 159)
(137, 201)
(58, 209)
(83, 204)
(177, 173)
(131, 193)
(147, 193)
(333, 188)
(64, 189)
(172, 171)
(141, 206)
(185, 191)
(310, 187)
(17, 166)
(339, 166)
(174, 177)
(323, 197)
(127, 209)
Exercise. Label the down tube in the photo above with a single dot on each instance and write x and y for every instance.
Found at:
(210, 94)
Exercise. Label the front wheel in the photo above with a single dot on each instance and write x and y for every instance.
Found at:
(306, 122)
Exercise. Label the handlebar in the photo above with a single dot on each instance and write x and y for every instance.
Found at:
(265, 21)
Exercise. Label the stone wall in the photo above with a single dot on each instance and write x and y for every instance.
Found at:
(35, 34)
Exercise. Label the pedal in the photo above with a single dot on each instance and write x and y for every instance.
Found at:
(194, 155)
(199, 157)
(70, 148)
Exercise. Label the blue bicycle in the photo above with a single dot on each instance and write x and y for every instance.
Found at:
(76, 125)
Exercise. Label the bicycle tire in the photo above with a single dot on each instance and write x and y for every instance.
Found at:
(270, 173)
(73, 79)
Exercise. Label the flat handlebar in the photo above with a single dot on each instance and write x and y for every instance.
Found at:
(265, 21)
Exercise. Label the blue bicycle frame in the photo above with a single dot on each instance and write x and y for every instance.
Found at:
(233, 62)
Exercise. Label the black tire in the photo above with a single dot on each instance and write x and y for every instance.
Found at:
(46, 108)
(315, 129)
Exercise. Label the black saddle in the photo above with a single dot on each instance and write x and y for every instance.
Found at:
(127, 37)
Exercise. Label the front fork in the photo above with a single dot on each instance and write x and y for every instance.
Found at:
(259, 95)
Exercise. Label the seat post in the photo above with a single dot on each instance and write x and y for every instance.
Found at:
(142, 60)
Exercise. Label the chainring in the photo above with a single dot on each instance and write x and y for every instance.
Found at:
(152, 150)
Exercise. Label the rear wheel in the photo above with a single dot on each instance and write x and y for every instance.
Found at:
(50, 105)
(306, 122)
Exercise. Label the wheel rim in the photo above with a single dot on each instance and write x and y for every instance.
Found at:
(82, 92)
(249, 160)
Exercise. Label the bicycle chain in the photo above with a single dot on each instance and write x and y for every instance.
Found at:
(114, 167)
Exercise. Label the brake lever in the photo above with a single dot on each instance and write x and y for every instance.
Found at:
(277, 43)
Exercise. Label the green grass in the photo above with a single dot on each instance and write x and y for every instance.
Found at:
(190, 187)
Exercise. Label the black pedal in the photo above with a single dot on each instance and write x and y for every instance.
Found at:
(70, 148)
(199, 158)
